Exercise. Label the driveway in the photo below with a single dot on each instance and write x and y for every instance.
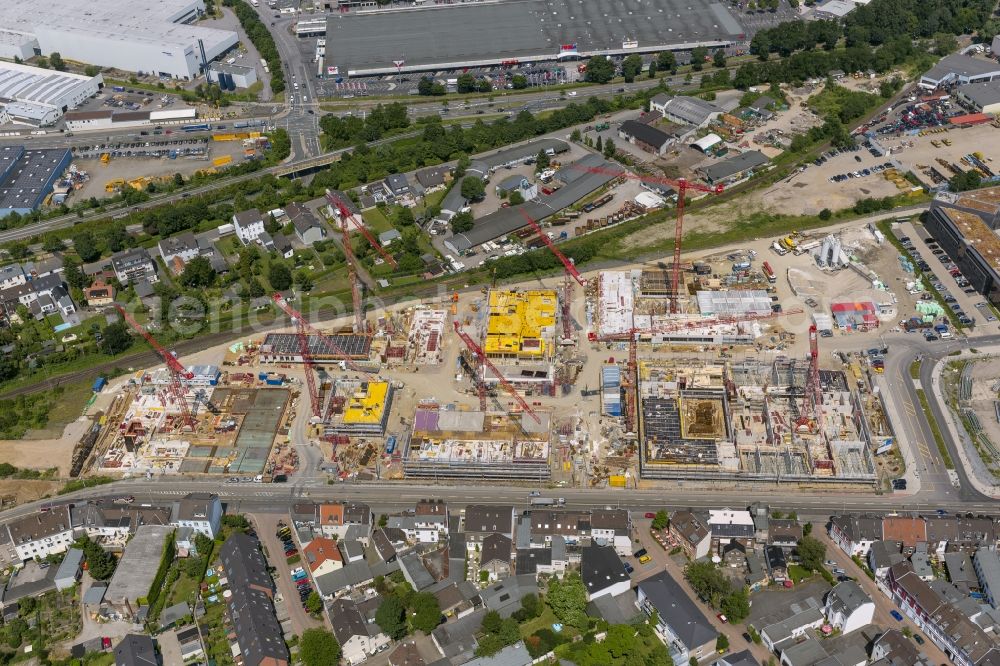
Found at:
(883, 604)
(663, 562)
(266, 525)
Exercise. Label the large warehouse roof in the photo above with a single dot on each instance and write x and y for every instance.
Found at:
(449, 36)
(42, 86)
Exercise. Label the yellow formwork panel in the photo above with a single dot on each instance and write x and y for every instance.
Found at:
(366, 406)
(518, 322)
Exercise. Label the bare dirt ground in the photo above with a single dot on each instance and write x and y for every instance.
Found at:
(26, 491)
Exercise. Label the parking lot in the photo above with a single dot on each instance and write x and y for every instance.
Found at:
(944, 276)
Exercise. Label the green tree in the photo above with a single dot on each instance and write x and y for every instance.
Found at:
(55, 59)
(599, 70)
(85, 247)
(531, 605)
(666, 61)
(279, 275)
(825, 214)
(462, 222)
(811, 552)
(736, 605)
(198, 273)
(631, 67)
(236, 521)
(652, 69)
(91, 70)
(461, 164)
(404, 216)
(719, 58)
(542, 161)
(389, 617)
(661, 520)
(492, 622)
(968, 180)
(314, 603)
(473, 188)
(698, 56)
(722, 644)
(944, 43)
(707, 581)
(516, 198)
(318, 647)
(519, 81)
(568, 600)
(609, 148)
(466, 83)
(425, 612)
(116, 338)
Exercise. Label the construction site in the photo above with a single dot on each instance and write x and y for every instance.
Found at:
(706, 371)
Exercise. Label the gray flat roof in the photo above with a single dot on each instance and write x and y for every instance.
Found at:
(734, 165)
(449, 36)
(983, 93)
(137, 568)
(961, 65)
(506, 220)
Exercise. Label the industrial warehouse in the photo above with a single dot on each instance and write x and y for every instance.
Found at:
(37, 96)
(148, 38)
(27, 176)
(473, 35)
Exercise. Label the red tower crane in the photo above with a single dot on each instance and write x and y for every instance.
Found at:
(346, 214)
(630, 381)
(481, 355)
(813, 389)
(177, 371)
(307, 361)
(306, 329)
(681, 185)
(571, 272)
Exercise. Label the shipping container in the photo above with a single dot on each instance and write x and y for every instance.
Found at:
(99, 384)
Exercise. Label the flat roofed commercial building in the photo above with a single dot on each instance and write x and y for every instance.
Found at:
(472, 35)
(964, 225)
(42, 96)
(29, 178)
(146, 37)
(984, 97)
(959, 68)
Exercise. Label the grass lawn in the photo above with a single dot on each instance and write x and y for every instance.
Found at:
(184, 590)
(65, 410)
(377, 220)
(543, 621)
(798, 573)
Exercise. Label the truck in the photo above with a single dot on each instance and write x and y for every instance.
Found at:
(119, 88)
(701, 268)
(915, 324)
(547, 501)
(741, 266)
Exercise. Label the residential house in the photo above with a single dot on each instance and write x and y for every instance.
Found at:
(111, 524)
(682, 627)
(848, 607)
(389, 237)
(335, 518)
(134, 265)
(183, 246)
(761, 515)
(258, 637)
(281, 245)
(603, 572)
(406, 654)
(202, 512)
(777, 564)
(384, 549)
(692, 533)
(961, 571)
(855, 534)
(456, 640)
(731, 529)
(892, 648)
(136, 650)
(191, 646)
(99, 294)
(322, 556)
(398, 185)
(778, 635)
(496, 555)
(763, 107)
(358, 639)
(784, 534)
(69, 569)
(433, 179)
(921, 564)
(42, 296)
(882, 555)
(481, 520)
(352, 550)
(987, 566)
(249, 225)
(304, 514)
(41, 534)
(505, 596)
(352, 576)
(646, 137)
(308, 227)
(973, 533)
(428, 523)
(457, 599)
(941, 531)
(12, 275)
(612, 527)
(546, 524)
(907, 530)
(963, 640)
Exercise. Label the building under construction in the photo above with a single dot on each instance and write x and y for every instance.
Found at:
(285, 348)
(360, 408)
(751, 421)
(465, 444)
(521, 325)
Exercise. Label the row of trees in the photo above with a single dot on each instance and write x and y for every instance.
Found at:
(262, 41)
(709, 583)
(351, 129)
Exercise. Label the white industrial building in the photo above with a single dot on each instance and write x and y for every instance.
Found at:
(41, 96)
(145, 37)
(242, 77)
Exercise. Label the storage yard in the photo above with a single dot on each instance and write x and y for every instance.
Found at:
(486, 385)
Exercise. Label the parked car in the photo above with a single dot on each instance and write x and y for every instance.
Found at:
(919, 639)
(650, 514)
(896, 616)
(722, 618)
